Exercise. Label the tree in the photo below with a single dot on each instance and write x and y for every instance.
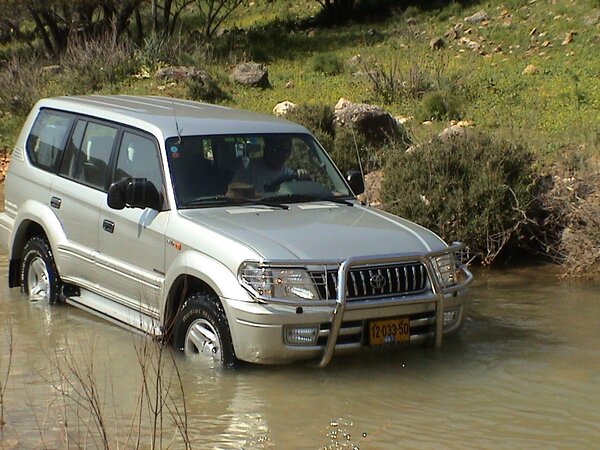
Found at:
(56, 20)
(214, 12)
(337, 11)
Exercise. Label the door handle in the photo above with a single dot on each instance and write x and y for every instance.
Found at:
(108, 225)
(55, 202)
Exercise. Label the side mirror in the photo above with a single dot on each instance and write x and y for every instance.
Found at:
(356, 181)
(133, 193)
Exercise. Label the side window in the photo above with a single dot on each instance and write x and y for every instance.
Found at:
(138, 158)
(92, 155)
(47, 138)
(68, 165)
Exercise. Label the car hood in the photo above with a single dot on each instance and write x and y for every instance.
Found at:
(317, 231)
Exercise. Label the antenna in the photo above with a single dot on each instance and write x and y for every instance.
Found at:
(360, 166)
(176, 123)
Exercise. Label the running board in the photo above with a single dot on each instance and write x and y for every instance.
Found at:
(115, 313)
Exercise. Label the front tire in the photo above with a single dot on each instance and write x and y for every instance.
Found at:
(201, 331)
(39, 275)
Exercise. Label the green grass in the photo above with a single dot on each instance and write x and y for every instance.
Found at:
(559, 106)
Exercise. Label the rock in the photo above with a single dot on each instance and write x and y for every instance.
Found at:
(411, 21)
(251, 74)
(289, 85)
(593, 19)
(181, 73)
(453, 131)
(369, 120)
(478, 17)
(402, 120)
(436, 43)
(530, 70)
(281, 109)
(451, 34)
(472, 45)
(475, 46)
(568, 38)
(53, 69)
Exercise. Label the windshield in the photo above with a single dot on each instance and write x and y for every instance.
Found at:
(258, 168)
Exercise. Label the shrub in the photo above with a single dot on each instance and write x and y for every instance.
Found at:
(205, 90)
(157, 50)
(315, 117)
(21, 83)
(439, 106)
(393, 83)
(328, 63)
(95, 63)
(570, 222)
(473, 188)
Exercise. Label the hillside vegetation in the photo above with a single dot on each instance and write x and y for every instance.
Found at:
(522, 79)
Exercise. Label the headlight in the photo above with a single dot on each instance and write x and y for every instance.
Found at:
(446, 269)
(278, 282)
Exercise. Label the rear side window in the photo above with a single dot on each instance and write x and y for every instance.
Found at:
(88, 153)
(47, 138)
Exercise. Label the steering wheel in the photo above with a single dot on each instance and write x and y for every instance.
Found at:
(274, 185)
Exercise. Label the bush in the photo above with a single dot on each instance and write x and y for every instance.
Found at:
(346, 145)
(21, 83)
(329, 64)
(95, 63)
(158, 50)
(317, 118)
(473, 188)
(205, 90)
(439, 106)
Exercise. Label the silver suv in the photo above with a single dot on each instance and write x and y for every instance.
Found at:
(229, 233)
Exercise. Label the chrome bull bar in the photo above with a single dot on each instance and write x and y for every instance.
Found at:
(439, 292)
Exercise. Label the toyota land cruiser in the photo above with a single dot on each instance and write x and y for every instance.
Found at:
(229, 233)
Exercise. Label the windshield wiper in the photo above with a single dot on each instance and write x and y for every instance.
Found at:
(310, 198)
(225, 201)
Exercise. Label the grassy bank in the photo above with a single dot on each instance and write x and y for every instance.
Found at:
(525, 72)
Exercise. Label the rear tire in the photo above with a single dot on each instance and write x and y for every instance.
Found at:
(39, 275)
(201, 331)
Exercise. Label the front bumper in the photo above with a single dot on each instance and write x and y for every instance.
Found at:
(258, 328)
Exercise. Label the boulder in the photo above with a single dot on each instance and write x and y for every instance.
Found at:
(478, 17)
(281, 109)
(453, 131)
(369, 120)
(251, 74)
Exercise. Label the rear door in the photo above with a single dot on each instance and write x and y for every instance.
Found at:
(76, 196)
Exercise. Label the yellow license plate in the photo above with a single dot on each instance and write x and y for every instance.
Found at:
(389, 331)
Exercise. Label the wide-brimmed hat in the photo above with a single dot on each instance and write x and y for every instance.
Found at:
(242, 191)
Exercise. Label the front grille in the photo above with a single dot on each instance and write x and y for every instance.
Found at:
(374, 282)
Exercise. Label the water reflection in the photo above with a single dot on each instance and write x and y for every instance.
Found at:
(525, 372)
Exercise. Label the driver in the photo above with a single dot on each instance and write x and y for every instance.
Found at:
(263, 172)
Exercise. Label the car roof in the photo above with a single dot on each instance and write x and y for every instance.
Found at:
(172, 117)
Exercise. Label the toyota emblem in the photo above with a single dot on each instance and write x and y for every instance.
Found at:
(377, 281)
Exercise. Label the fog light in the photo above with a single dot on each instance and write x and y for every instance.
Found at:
(301, 335)
(450, 317)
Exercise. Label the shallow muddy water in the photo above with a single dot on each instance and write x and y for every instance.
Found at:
(523, 373)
